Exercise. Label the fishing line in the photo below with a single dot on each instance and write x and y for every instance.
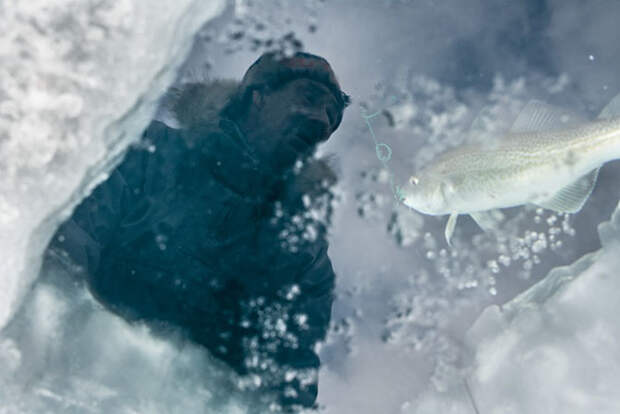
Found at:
(384, 155)
(471, 396)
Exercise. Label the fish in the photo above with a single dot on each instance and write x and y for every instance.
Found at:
(550, 158)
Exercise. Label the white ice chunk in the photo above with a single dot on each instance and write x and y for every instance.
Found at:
(553, 349)
(559, 341)
(78, 81)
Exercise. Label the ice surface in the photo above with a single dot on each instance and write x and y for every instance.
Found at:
(77, 83)
(554, 348)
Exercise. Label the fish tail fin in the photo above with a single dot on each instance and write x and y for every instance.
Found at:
(609, 112)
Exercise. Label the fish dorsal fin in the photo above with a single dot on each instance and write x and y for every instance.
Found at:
(539, 116)
(450, 227)
(571, 198)
(612, 109)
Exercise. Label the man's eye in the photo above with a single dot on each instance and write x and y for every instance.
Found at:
(310, 97)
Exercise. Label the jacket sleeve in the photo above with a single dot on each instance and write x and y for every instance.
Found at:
(93, 226)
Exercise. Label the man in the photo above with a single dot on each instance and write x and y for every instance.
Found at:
(206, 229)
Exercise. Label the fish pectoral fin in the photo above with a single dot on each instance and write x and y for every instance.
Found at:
(487, 220)
(571, 198)
(450, 227)
(539, 116)
(612, 109)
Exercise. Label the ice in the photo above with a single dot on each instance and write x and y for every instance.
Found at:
(563, 355)
(423, 294)
(404, 300)
(554, 348)
(442, 75)
(78, 81)
(65, 354)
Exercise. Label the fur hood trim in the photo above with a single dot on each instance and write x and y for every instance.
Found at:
(197, 102)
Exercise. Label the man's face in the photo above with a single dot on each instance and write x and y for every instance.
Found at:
(289, 122)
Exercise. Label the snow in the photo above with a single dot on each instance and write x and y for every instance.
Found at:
(67, 354)
(78, 81)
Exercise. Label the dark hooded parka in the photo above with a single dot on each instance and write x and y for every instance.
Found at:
(192, 233)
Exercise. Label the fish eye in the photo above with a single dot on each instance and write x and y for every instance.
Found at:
(414, 180)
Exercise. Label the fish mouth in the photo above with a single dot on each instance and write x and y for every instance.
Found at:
(408, 202)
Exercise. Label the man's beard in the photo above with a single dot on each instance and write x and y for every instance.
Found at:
(292, 148)
(304, 134)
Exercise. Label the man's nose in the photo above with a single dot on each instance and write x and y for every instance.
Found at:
(319, 121)
(317, 128)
